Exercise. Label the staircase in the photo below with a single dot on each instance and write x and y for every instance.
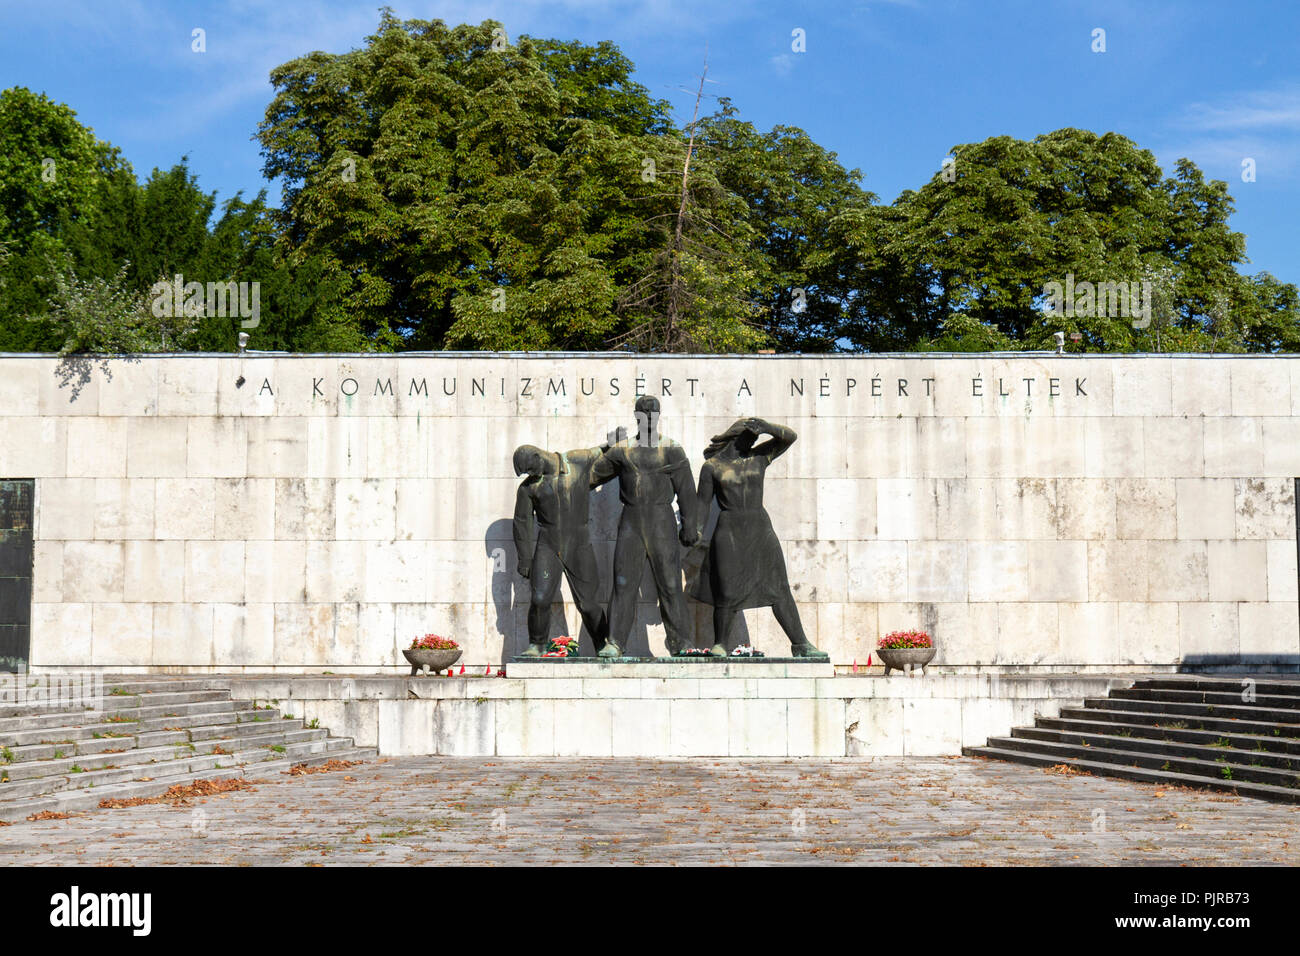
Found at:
(143, 736)
(1188, 731)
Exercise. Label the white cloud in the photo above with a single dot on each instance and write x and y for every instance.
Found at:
(783, 63)
(1256, 109)
(1218, 134)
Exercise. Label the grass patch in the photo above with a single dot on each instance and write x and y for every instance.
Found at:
(400, 834)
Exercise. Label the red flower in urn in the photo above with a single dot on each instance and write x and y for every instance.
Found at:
(905, 639)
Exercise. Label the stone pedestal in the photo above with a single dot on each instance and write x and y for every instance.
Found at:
(671, 708)
(636, 667)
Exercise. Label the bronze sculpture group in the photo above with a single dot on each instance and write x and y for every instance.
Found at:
(743, 567)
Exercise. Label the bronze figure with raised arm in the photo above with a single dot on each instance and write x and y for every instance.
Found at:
(744, 566)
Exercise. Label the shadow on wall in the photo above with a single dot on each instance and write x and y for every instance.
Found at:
(75, 371)
(509, 591)
(1240, 663)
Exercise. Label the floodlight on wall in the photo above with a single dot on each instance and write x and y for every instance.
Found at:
(1059, 338)
(243, 341)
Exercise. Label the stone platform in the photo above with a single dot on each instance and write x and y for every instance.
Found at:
(672, 708)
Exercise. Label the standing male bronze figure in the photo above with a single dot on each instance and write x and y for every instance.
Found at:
(651, 472)
(556, 493)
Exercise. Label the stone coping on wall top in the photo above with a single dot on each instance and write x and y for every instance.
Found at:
(656, 356)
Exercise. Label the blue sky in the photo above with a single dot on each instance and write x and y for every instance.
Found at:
(890, 85)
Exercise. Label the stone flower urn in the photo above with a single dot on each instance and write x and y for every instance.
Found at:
(430, 660)
(906, 659)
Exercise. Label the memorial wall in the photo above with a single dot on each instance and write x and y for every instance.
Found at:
(317, 512)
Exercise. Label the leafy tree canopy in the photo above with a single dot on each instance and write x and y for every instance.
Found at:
(455, 187)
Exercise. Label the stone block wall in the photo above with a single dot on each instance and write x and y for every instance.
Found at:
(315, 512)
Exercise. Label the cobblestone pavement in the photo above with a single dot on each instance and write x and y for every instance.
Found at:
(497, 811)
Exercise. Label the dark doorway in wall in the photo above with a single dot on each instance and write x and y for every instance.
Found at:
(17, 505)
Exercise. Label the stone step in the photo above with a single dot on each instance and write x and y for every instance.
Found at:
(93, 779)
(76, 800)
(204, 737)
(148, 685)
(166, 723)
(171, 731)
(252, 725)
(112, 703)
(1191, 731)
(162, 761)
(229, 718)
(1143, 775)
(1188, 766)
(62, 766)
(1225, 753)
(1218, 698)
(290, 751)
(1179, 711)
(238, 744)
(146, 711)
(1271, 744)
(156, 738)
(1172, 722)
(56, 766)
(91, 745)
(1272, 685)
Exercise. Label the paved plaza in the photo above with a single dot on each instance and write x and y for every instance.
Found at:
(499, 812)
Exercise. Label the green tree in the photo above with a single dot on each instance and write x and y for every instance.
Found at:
(1269, 315)
(471, 191)
(109, 316)
(1018, 215)
(50, 170)
(811, 286)
(696, 292)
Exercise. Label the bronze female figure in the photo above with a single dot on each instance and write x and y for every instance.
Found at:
(744, 566)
